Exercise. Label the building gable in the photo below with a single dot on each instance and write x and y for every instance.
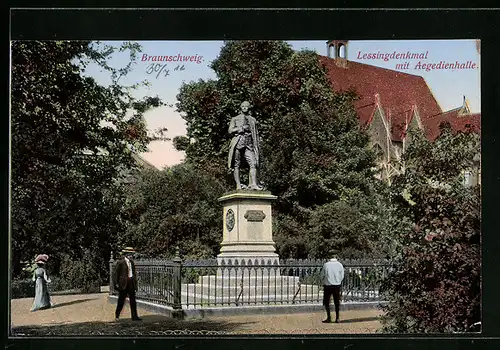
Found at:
(378, 131)
(398, 91)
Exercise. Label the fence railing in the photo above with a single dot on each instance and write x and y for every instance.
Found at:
(197, 284)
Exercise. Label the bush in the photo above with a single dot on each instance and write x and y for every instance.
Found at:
(81, 274)
(435, 285)
(22, 288)
(25, 288)
(192, 274)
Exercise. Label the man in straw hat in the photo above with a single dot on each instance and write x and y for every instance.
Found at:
(333, 274)
(126, 283)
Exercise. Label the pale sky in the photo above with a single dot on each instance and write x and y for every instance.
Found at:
(448, 86)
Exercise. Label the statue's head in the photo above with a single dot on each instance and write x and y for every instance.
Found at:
(245, 107)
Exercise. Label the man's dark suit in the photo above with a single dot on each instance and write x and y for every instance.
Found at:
(126, 286)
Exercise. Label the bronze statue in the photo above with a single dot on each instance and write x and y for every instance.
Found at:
(245, 144)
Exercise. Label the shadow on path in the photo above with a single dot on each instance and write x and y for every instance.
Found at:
(71, 302)
(361, 319)
(150, 325)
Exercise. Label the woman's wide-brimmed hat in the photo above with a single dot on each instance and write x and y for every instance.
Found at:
(128, 250)
(41, 258)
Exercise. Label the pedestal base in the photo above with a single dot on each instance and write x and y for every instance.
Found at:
(247, 236)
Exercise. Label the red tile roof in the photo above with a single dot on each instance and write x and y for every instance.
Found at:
(464, 122)
(399, 92)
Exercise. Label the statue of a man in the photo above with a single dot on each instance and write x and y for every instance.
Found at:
(245, 144)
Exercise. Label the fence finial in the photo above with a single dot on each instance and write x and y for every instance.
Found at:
(177, 258)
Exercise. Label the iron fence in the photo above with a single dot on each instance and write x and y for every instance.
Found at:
(205, 283)
(157, 281)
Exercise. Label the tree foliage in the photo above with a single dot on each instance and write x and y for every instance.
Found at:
(315, 157)
(176, 207)
(435, 285)
(72, 139)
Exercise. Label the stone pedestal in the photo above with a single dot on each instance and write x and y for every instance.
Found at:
(247, 234)
(248, 271)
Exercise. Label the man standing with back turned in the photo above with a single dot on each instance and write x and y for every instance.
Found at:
(333, 274)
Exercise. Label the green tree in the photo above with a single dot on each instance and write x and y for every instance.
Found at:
(315, 157)
(72, 141)
(175, 207)
(435, 285)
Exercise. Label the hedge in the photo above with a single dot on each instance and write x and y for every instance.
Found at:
(25, 288)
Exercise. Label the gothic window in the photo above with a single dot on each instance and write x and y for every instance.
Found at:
(331, 51)
(341, 51)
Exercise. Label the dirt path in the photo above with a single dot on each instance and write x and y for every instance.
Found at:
(92, 314)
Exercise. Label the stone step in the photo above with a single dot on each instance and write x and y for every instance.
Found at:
(250, 290)
(305, 290)
(203, 297)
(248, 273)
(199, 298)
(231, 280)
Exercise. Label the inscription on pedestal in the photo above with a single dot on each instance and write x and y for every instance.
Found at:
(230, 220)
(255, 215)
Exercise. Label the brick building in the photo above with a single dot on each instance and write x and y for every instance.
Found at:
(390, 104)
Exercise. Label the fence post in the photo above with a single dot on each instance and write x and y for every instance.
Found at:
(111, 272)
(177, 313)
